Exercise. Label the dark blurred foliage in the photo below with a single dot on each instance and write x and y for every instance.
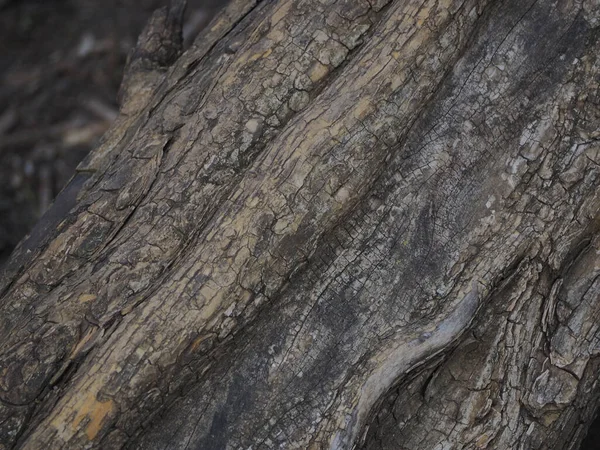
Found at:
(61, 63)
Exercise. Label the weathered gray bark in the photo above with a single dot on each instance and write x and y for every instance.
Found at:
(329, 224)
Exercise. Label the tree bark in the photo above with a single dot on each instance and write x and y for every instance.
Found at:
(327, 225)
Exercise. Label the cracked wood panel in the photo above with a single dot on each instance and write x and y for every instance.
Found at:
(309, 205)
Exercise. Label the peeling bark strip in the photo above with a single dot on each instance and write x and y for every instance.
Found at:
(400, 360)
(284, 238)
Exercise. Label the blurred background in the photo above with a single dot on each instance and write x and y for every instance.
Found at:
(61, 63)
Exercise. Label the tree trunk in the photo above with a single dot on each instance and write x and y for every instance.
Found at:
(327, 225)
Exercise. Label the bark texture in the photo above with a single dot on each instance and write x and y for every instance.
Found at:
(328, 225)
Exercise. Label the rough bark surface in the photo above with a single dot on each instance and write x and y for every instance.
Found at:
(329, 224)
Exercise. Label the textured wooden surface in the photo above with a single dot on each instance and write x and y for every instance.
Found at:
(284, 238)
